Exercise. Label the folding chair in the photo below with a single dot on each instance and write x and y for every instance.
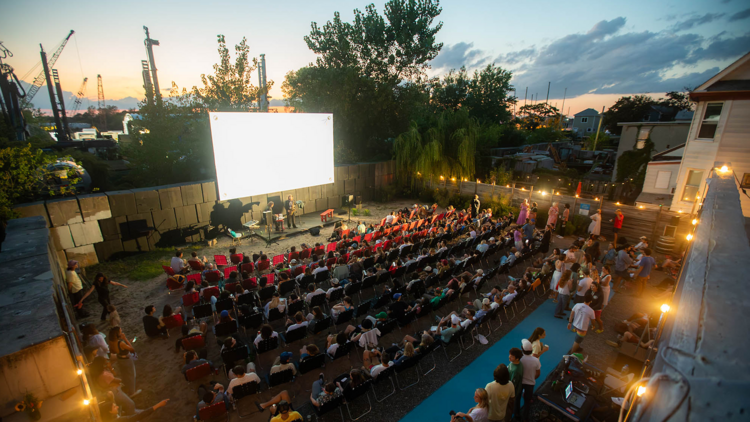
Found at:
(198, 372)
(344, 317)
(167, 269)
(195, 278)
(329, 406)
(173, 321)
(385, 375)
(247, 267)
(252, 321)
(224, 305)
(455, 339)
(387, 327)
(213, 277)
(241, 391)
(236, 258)
(424, 355)
(173, 285)
(228, 271)
(220, 260)
(404, 366)
(194, 342)
(293, 308)
(225, 329)
(277, 378)
(211, 291)
(214, 412)
(203, 311)
(230, 356)
(321, 325)
(353, 393)
(278, 259)
(195, 265)
(296, 334)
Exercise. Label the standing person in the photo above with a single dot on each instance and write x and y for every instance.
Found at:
(619, 217)
(500, 392)
(643, 273)
(563, 293)
(595, 228)
(564, 220)
(604, 281)
(546, 239)
(518, 238)
(479, 412)
(475, 206)
(583, 285)
(523, 213)
(554, 211)
(515, 368)
(593, 247)
(291, 207)
(531, 371)
(580, 318)
(120, 346)
(596, 304)
(532, 213)
(101, 284)
(528, 230)
(622, 263)
(537, 347)
(75, 288)
(556, 276)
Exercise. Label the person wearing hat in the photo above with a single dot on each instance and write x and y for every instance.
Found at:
(484, 307)
(447, 333)
(643, 244)
(283, 362)
(398, 308)
(75, 288)
(531, 370)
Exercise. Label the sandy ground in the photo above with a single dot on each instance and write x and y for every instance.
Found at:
(158, 366)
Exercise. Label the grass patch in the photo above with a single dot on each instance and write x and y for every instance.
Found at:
(140, 267)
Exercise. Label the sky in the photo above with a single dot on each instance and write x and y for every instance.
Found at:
(599, 51)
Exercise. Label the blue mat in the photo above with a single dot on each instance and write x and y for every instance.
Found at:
(458, 393)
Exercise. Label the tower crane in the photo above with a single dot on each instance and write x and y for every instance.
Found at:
(41, 78)
(100, 97)
(79, 97)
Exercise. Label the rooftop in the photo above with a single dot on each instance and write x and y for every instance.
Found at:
(27, 305)
(674, 122)
(587, 112)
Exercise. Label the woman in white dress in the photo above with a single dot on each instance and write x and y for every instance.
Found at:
(555, 278)
(595, 227)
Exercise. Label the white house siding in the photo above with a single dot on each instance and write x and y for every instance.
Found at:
(735, 145)
(653, 170)
(699, 154)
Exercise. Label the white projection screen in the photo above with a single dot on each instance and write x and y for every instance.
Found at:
(259, 153)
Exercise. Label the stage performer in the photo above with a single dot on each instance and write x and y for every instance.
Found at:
(290, 209)
(475, 206)
(273, 218)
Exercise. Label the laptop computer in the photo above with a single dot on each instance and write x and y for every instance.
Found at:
(574, 399)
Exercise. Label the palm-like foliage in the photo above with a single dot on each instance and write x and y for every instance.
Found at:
(447, 147)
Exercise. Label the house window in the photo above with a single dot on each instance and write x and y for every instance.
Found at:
(643, 134)
(584, 119)
(588, 129)
(662, 179)
(692, 184)
(710, 121)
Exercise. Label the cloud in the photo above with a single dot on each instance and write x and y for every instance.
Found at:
(606, 60)
(740, 15)
(696, 21)
(457, 55)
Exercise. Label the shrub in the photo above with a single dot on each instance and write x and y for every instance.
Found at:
(366, 212)
(355, 212)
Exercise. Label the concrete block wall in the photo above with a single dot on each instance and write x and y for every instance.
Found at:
(97, 227)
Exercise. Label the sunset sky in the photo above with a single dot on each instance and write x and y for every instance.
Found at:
(599, 51)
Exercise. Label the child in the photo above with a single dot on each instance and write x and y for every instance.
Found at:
(113, 317)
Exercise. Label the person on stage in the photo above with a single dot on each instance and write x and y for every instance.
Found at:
(273, 218)
(475, 206)
(290, 209)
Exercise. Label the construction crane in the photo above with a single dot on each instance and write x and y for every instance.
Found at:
(102, 106)
(150, 43)
(79, 97)
(61, 102)
(10, 92)
(40, 78)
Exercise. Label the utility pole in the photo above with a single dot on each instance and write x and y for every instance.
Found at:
(563, 106)
(548, 86)
(525, 95)
(59, 128)
(601, 117)
(102, 106)
(263, 88)
(149, 43)
(61, 103)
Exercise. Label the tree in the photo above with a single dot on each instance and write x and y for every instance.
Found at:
(632, 164)
(678, 100)
(532, 116)
(391, 48)
(485, 94)
(451, 92)
(230, 87)
(627, 109)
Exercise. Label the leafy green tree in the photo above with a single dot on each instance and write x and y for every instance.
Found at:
(450, 92)
(632, 164)
(626, 109)
(678, 100)
(23, 169)
(533, 116)
(485, 94)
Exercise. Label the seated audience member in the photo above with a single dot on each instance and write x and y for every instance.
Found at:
(322, 393)
(167, 312)
(152, 325)
(242, 376)
(266, 332)
(316, 315)
(376, 362)
(334, 341)
(276, 302)
(352, 380)
(308, 351)
(335, 285)
(199, 263)
(110, 411)
(478, 412)
(312, 292)
(368, 334)
(283, 362)
(210, 269)
(398, 308)
(299, 321)
(447, 333)
(178, 264)
(280, 408)
(234, 256)
(211, 394)
(191, 361)
(347, 304)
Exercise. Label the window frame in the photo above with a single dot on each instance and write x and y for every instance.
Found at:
(584, 119)
(703, 121)
(685, 185)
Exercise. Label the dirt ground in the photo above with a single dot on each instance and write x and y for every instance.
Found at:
(158, 365)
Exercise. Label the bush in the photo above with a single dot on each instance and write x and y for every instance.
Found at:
(427, 196)
(355, 212)
(366, 212)
(577, 225)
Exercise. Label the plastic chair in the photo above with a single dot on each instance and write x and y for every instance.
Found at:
(173, 321)
(214, 412)
(385, 375)
(244, 390)
(198, 372)
(194, 342)
(167, 269)
(228, 270)
(353, 393)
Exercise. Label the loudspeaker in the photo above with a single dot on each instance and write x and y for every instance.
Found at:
(346, 200)
(315, 231)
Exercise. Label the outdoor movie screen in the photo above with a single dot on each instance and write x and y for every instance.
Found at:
(259, 153)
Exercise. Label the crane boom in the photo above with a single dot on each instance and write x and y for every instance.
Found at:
(41, 78)
(79, 96)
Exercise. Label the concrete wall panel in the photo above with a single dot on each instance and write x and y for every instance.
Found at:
(85, 255)
(122, 203)
(146, 200)
(86, 233)
(209, 191)
(94, 207)
(204, 211)
(33, 209)
(186, 216)
(164, 220)
(341, 173)
(329, 190)
(354, 171)
(349, 187)
(315, 192)
(334, 202)
(61, 238)
(170, 197)
(191, 194)
(321, 204)
(107, 249)
(64, 211)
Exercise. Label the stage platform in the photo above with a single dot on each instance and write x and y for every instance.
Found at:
(304, 223)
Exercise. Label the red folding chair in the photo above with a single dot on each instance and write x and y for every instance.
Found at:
(412, 225)
(330, 262)
(213, 276)
(299, 270)
(248, 267)
(194, 343)
(270, 278)
(278, 259)
(191, 299)
(168, 270)
(357, 253)
(331, 247)
(195, 278)
(236, 258)
(232, 287)
(173, 321)
(305, 253)
(214, 412)
(405, 227)
(293, 255)
(319, 251)
(264, 265)
(196, 265)
(382, 222)
(221, 260)
(249, 283)
(173, 284)
(368, 237)
(228, 270)
(346, 257)
(345, 233)
(199, 371)
(211, 291)
(395, 220)
(357, 239)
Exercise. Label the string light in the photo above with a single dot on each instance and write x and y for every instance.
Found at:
(665, 308)
(79, 372)
(724, 169)
(679, 211)
(641, 391)
(618, 202)
(596, 199)
(695, 221)
(576, 196)
(86, 402)
(689, 237)
(640, 206)
(507, 186)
